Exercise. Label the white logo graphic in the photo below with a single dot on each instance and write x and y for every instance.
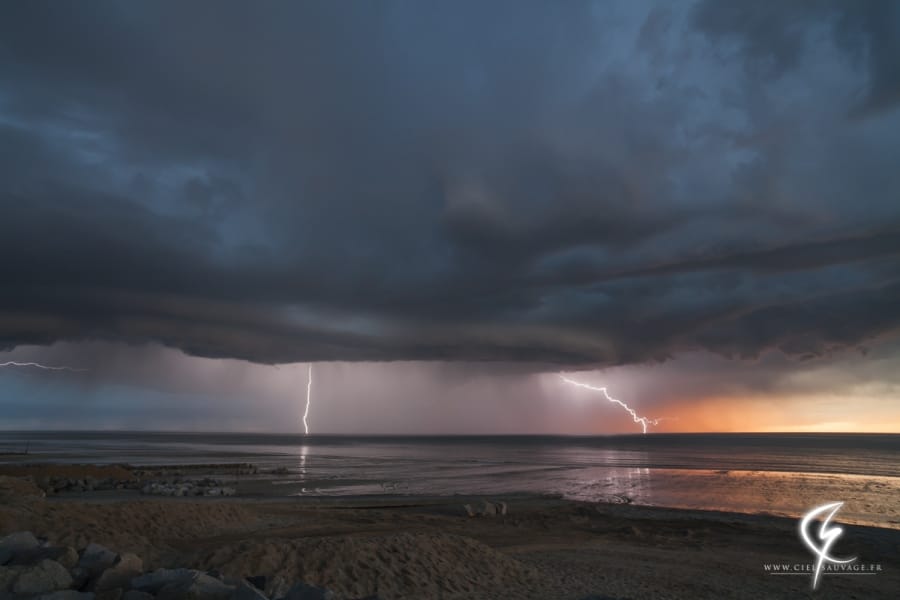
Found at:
(826, 535)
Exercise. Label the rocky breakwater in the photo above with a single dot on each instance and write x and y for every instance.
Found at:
(188, 487)
(32, 568)
(162, 471)
(166, 487)
(58, 485)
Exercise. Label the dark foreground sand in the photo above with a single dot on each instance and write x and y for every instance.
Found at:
(421, 548)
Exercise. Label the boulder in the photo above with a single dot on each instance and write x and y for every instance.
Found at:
(80, 577)
(127, 567)
(16, 543)
(67, 556)
(247, 591)
(158, 579)
(257, 581)
(492, 509)
(110, 594)
(304, 591)
(136, 595)
(67, 595)
(46, 576)
(96, 559)
(199, 587)
(7, 578)
(488, 509)
(64, 555)
(277, 586)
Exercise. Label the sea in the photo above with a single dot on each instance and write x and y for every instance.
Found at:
(776, 474)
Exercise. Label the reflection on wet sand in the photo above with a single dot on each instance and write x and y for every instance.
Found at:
(869, 500)
(304, 451)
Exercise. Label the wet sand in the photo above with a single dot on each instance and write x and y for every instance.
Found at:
(426, 547)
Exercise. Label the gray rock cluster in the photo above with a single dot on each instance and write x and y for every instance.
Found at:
(167, 487)
(56, 485)
(488, 509)
(33, 569)
(198, 487)
(163, 471)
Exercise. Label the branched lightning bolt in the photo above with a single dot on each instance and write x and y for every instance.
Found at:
(308, 396)
(644, 421)
(12, 363)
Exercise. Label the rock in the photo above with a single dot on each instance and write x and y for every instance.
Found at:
(80, 577)
(110, 594)
(488, 509)
(247, 591)
(67, 595)
(158, 579)
(277, 586)
(15, 543)
(46, 576)
(127, 567)
(67, 556)
(7, 578)
(136, 595)
(492, 509)
(257, 581)
(64, 555)
(96, 559)
(304, 591)
(199, 587)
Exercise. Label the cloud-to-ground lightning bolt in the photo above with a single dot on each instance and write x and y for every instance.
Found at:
(12, 363)
(308, 397)
(644, 421)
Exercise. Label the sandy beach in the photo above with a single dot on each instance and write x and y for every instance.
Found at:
(399, 300)
(428, 547)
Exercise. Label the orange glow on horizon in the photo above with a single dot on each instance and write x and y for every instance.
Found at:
(782, 415)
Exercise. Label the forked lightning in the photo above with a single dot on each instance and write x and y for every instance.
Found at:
(644, 421)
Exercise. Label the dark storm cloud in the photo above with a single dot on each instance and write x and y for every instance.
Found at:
(564, 183)
(773, 35)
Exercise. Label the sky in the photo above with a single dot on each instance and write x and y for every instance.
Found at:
(443, 206)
